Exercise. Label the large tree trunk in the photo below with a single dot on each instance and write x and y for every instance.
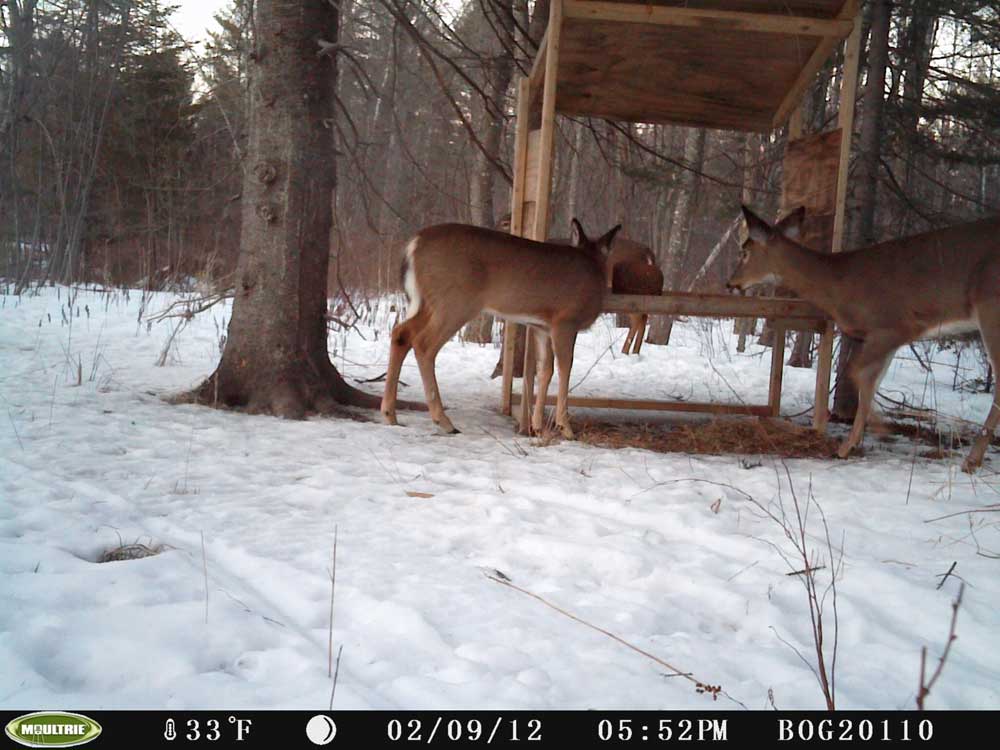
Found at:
(845, 399)
(276, 358)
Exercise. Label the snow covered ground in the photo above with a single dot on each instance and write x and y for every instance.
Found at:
(634, 542)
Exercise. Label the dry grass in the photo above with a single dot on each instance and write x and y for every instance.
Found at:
(720, 436)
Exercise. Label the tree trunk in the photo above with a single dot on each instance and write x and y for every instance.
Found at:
(661, 326)
(845, 400)
(499, 74)
(276, 358)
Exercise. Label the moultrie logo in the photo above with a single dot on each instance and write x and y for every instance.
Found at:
(53, 729)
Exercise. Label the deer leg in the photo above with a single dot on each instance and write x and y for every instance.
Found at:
(866, 371)
(989, 330)
(563, 342)
(426, 346)
(543, 345)
(402, 342)
(630, 336)
(640, 333)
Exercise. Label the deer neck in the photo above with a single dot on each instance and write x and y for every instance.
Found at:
(806, 272)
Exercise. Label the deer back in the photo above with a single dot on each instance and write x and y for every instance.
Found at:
(636, 277)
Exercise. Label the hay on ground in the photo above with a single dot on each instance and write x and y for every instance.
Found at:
(720, 436)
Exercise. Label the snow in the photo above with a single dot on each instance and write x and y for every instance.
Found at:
(93, 456)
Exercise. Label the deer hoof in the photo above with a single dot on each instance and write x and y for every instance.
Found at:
(390, 418)
(447, 427)
(844, 450)
(970, 465)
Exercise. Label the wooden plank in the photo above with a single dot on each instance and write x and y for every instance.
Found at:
(649, 73)
(824, 366)
(703, 18)
(536, 76)
(777, 370)
(521, 144)
(533, 160)
(845, 118)
(755, 410)
(540, 227)
(528, 384)
(517, 203)
(713, 305)
(816, 61)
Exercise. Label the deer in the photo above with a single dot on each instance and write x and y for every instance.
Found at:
(632, 269)
(452, 272)
(930, 285)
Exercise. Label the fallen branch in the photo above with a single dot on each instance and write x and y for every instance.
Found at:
(700, 687)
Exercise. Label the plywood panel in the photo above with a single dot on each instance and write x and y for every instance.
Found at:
(650, 73)
(531, 167)
(810, 179)
(812, 8)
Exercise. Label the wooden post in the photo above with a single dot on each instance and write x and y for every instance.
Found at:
(510, 330)
(777, 369)
(540, 229)
(848, 93)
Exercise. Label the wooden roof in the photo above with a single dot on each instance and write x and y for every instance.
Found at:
(729, 64)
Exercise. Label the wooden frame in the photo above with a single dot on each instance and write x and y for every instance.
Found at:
(533, 174)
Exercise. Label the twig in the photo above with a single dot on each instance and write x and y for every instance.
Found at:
(700, 687)
(925, 687)
(336, 674)
(333, 583)
(944, 576)
(11, 418)
(204, 568)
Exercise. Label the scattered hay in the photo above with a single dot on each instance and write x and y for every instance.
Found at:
(740, 436)
(130, 552)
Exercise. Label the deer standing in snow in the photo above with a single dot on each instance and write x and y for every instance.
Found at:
(632, 269)
(926, 286)
(452, 272)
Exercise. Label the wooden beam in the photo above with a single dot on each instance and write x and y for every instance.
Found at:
(538, 67)
(540, 227)
(845, 119)
(816, 61)
(703, 18)
(821, 412)
(777, 370)
(649, 405)
(510, 330)
(548, 125)
(713, 305)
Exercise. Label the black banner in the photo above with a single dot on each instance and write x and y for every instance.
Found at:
(528, 729)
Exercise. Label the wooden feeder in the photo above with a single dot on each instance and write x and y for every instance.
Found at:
(728, 64)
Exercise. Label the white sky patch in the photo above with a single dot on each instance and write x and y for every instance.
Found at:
(193, 17)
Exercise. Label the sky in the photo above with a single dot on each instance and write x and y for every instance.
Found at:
(194, 16)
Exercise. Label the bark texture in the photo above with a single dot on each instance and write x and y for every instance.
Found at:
(275, 359)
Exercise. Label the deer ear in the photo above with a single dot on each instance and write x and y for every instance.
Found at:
(577, 236)
(757, 229)
(607, 239)
(791, 225)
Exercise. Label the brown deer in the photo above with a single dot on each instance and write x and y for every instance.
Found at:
(926, 286)
(632, 269)
(451, 272)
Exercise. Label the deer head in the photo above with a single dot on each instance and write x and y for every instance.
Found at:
(758, 256)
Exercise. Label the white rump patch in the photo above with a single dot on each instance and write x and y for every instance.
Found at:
(951, 328)
(410, 280)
